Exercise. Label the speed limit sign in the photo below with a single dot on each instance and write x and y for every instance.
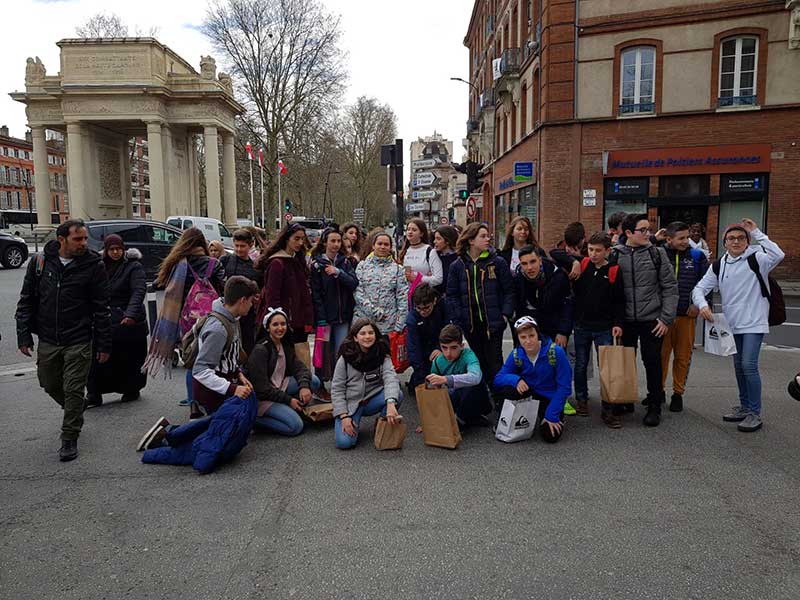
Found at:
(471, 208)
(288, 216)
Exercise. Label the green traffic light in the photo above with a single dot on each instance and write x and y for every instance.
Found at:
(463, 194)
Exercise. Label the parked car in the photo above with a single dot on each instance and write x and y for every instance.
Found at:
(13, 251)
(152, 238)
(213, 229)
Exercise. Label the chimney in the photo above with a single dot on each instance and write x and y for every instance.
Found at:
(4, 131)
(29, 137)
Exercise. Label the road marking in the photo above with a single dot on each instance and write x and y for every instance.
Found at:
(18, 369)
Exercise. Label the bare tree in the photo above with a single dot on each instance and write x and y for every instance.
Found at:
(367, 125)
(288, 67)
(110, 25)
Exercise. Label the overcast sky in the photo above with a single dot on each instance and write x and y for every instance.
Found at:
(402, 52)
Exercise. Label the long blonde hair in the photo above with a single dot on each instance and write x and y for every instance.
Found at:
(189, 243)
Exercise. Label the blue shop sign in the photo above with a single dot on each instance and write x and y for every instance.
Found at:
(523, 171)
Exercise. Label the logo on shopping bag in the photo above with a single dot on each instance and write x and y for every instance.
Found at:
(503, 421)
(522, 423)
(715, 335)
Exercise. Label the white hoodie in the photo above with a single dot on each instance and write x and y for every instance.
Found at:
(746, 310)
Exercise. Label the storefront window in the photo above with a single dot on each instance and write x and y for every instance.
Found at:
(627, 195)
(741, 195)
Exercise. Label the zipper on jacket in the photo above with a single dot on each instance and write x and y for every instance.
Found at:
(469, 300)
(633, 284)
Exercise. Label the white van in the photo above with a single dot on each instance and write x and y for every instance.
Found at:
(211, 228)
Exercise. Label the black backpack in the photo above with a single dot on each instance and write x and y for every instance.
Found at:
(777, 305)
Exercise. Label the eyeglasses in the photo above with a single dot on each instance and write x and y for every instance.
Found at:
(736, 238)
(643, 230)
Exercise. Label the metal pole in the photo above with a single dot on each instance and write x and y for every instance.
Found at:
(261, 169)
(280, 199)
(252, 200)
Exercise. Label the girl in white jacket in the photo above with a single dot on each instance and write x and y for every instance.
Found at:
(745, 308)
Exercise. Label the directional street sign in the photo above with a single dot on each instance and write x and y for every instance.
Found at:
(424, 195)
(418, 207)
(424, 163)
(424, 179)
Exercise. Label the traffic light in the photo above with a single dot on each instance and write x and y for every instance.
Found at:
(472, 171)
(463, 194)
(287, 205)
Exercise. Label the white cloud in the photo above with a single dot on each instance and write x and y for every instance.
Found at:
(402, 53)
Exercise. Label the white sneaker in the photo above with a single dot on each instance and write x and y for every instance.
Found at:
(162, 423)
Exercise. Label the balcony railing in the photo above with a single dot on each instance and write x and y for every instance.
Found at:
(473, 126)
(635, 109)
(727, 101)
(509, 61)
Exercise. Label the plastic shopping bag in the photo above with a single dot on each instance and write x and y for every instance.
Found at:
(719, 337)
(517, 420)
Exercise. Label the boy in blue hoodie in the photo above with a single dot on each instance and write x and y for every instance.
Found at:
(539, 369)
(460, 370)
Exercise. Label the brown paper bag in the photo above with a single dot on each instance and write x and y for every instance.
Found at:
(388, 436)
(618, 381)
(439, 427)
(319, 412)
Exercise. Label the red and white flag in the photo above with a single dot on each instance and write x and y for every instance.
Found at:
(282, 167)
(260, 156)
(249, 149)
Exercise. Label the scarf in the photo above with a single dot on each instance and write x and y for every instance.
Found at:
(370, 360)
(167, 333)
(112, 241)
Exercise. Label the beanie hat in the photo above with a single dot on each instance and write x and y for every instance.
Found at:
(112, 240)
(735, 227)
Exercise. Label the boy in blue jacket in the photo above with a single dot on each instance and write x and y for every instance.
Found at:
(424, 324)
(460, 370)
(539, 369)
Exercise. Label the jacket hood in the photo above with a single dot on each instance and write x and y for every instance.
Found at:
(281, 254)
(486, 254)
(625, 249)
(51, 250)
(219, 306)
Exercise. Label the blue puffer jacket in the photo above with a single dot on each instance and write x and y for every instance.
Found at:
(480, 290)
(333, 294)
(553, 382)
(226, 436)
(689, 268)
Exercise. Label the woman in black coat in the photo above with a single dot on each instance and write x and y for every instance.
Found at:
(127, 285)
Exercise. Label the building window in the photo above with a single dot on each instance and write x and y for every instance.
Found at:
(738, 72)
(637, 80)
(523, 112)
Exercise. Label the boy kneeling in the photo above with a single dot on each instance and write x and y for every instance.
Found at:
(537, 369)
(459, 369)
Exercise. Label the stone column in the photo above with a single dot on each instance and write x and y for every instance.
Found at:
(213, 201)
(170, 176)
(76, 182)
(41, 178)
(194, 187)
(229, 177)
(158, 200)
(127, 193)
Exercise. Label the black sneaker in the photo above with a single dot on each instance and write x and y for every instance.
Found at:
(68, 451)
(130, 397)
(653, 416)
(676, 403)
(94, 400)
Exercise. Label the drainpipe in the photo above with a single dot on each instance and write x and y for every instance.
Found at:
(575, 68)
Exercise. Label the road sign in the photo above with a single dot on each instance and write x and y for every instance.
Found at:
(288, 216)
(424, 179)
(424, 195)
(424, 163)
(444, 220)
(471, 208)
(418, 207)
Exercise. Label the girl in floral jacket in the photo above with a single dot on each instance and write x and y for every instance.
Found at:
(382, 292)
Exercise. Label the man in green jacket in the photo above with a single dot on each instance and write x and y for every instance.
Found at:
(458, 368)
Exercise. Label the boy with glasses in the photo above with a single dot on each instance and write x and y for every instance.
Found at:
(651, 302)
(424, 324)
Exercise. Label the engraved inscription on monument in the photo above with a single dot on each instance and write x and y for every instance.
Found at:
(106, 65)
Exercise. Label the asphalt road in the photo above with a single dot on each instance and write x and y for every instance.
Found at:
(692, 509)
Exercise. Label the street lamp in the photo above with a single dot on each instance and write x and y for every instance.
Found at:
(470, 84)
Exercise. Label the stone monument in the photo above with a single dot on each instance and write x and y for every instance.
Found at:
(112, 89)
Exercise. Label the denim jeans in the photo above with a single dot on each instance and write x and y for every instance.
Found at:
(375, 405)
(339, 331)
(583, 347)
(282, 418)
(745, 363)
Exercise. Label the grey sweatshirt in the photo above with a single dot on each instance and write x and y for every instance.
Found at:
(210, 359)
(350, 386)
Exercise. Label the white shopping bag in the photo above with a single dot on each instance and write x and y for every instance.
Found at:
(517, 420)
(719, 337)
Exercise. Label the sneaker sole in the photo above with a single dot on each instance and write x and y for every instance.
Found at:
(162, 422)
(733, 419)
(749, 429)
(68, 458)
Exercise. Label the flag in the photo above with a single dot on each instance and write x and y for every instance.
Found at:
(260, 156)
(282, 167)
(249, 149)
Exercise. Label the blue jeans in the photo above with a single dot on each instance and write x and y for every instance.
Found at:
(583, 346)
(282, 418)
(745, 363)
(375, 405)
(339, 331)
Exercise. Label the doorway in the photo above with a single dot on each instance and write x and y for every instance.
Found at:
(687, 214)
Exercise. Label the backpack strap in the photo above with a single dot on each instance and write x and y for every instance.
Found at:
(39, 264)
(655, 256)
(716, 266)
(584, 263)
(428, 256)
(551, 354)
(517, 359)
(755, 267)
(228, 329)
(212, 262)
(613, 271)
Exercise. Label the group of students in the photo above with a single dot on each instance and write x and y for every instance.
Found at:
(252, 312)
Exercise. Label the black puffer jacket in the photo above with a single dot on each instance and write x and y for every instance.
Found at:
(65, 305)
(234, 265)
(127, 289)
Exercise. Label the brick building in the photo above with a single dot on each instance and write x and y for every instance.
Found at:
(17, 181)
(681, 109)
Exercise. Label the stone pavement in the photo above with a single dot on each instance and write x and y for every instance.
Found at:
(691, 509)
